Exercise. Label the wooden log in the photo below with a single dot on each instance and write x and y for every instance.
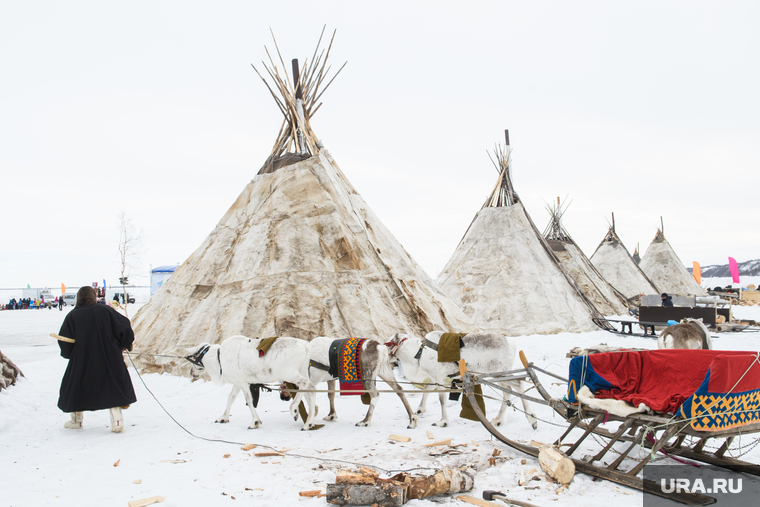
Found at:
(440, 483)
(556, 464)
(349, 477)
(388, 494)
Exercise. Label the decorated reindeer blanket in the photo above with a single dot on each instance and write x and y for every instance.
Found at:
(345, 365)
(716, 389)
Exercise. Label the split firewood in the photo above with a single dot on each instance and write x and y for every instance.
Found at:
(521, 481)
(269, 453)
(226, 456)
(556, 464)
(312, 493)
(430, 435)
(369, 471)
(349, 477)
(248, 447)
(446, 441)
(477, 501)
(146, 501)
(536, 443)
(400, 438)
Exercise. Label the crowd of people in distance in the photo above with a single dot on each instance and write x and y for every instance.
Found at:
(27, 303)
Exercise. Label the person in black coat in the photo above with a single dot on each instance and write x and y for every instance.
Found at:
(96, 377)
(666, 300)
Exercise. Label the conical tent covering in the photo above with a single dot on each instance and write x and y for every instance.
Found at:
(298, 254)
(665, 269)
(616, 265)
(605, 298)
(504, 275)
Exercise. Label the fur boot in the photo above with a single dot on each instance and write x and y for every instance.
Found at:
(117, 420)
(76, 421)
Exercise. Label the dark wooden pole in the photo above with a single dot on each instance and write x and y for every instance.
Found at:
(506, 135)
(296, 77)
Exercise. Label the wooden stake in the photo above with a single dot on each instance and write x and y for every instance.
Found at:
(62, 338)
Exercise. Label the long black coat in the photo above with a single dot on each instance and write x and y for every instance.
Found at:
(96, 377)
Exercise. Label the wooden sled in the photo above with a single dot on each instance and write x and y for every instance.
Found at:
(656, 434)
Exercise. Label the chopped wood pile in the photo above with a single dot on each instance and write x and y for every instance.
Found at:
(9, 372)
(365, 487)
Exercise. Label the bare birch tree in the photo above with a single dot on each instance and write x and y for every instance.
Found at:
(130, 249)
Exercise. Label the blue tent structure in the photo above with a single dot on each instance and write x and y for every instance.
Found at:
(159, 275)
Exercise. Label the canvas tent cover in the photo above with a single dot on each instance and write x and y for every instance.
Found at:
(615, 264)
(665, 269)
(591, 282)
(298, 254)
(604, 297)
(504, 279)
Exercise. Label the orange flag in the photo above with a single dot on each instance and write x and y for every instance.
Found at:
(63, 289)
(697, 272)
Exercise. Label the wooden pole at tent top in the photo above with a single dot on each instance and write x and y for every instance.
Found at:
(506, 135)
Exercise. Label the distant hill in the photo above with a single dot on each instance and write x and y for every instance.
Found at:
(747, 268)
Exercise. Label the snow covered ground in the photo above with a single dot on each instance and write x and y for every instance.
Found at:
(48, 465)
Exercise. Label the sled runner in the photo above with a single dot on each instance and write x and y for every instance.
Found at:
(656, 437)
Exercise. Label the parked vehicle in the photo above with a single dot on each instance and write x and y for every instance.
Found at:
(68, 299)
(130, 298)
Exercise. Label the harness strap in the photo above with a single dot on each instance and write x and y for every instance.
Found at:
(318, 366)
(418, 355)
(428, 343)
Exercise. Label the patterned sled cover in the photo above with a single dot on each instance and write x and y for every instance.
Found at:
(719, 389)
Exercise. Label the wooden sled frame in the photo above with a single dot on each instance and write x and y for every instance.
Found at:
(652, 432)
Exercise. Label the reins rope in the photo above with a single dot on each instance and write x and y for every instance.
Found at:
(319, 458)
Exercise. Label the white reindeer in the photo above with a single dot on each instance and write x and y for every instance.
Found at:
(689, 334)
(374, 361)
(482, 352)
(236, 361)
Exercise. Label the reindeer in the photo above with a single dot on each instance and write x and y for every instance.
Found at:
(236, 361)
(689, 334)
(482, 352)
(374, 362)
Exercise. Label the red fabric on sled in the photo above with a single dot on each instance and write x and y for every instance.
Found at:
(662, 379)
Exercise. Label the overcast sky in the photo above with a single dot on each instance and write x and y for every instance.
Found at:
(645, 109)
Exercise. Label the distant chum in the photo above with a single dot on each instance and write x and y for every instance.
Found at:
(605, 297)
(616, 265)
(504, 275)
(666, 270)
